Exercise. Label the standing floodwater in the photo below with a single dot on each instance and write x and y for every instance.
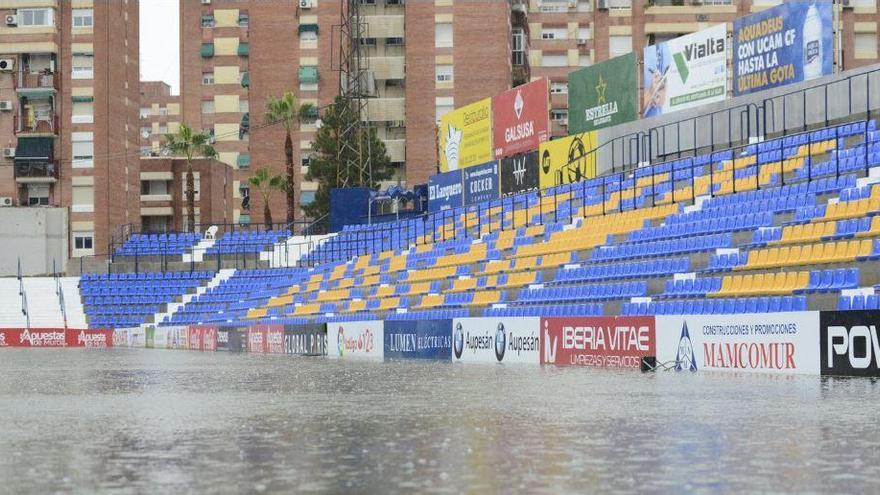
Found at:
(150, 421)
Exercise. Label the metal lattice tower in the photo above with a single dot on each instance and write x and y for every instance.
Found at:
(354, 167)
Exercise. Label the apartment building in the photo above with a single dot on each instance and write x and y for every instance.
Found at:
(425, 58)
(560, 36)
(159, 115)
(68, 113)
(163, 193)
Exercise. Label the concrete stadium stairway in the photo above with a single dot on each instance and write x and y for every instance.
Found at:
(288, 253)
(10, 310)
(172, 308)
(197, 252)
(43, 305)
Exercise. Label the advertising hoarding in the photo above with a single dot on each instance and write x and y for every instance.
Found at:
(201, 338)
(597, 341)
(603, 94)
(308, 339)
(445, 191)
(849, 344)
(129, 337)
(521, 118)
(789, 43)
(465, 136)
(685, 72)
(356, 339)
(426, 339)
(265, 339)
(496, 340)
(230, 339)
(481, 183)
(567, 160)
(519, 173)
(762, 343)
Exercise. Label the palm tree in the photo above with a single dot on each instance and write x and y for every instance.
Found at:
(265, 185)
(288, 111)
(190, 144)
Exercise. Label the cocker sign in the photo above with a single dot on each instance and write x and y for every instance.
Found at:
(602, 341)
(521, 118)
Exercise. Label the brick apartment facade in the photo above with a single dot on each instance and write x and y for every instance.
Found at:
(162, 199)
(68, 117)
(159, 115)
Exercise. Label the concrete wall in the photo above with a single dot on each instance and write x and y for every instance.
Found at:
(34, 235)
(769, 113)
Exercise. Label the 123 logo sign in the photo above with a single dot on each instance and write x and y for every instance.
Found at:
(602, 341)
(357, 339)
(849, 343)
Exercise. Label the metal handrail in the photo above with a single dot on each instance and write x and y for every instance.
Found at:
(59, 291)
(23, 294)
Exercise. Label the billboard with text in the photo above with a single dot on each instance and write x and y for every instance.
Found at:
(465, 136)
(597, 341)
(685, 72)
(480, 183)
(445, 191)
(849, 345)
(603, 94)
(789, 43)
(495, 340)
(519, 173)
(423, 339)
(355, 339)
(521, 118)
(567, 160)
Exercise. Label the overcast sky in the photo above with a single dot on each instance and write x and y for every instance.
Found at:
(160, 54)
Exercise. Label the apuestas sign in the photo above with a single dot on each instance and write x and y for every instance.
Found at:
(789, 43)
(519, 173)
(356, 339)
(763, 342)
(849, 343)
(597, 341)
(521, 118)
(265, 339)
(424, 339)
(496, 340)
(55, 337)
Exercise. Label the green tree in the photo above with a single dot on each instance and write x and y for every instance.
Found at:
(288, 112)
(324, 164)
(265, 184)
(190, 144)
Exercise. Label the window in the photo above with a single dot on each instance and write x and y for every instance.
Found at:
(866, 45)
(559, 115)
(83, 240)
(584, 33)
(368, 2)
(443, 105)
(518, 44)
(554, 60)
(443, 35)
(394, 42)
(585, 60)
(307, 197)
(619, 45)
(243, 20)
(207, 78)
(620, 4)
(83, 199)
(163, 111)
(444, 73)
(146, 132)
(35, 17)
(554, 33)
(82, 18)
(208, 21)
(83, 67)
(243, 106)
(38, 194)
(308, 32)
(146, 150)
(83, 149)
(368, 41)
(163, 129)
(558, 88)
(83, 112)
(207, 50)
(393, 2)
(305, 161)
(207, 106)
(145, 112)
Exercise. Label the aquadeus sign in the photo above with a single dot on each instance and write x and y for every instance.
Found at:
(521, 118)
(764, 342)
(600, 341)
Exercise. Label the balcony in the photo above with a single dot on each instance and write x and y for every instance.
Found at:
(385, 68)
(42, 81)
(385, 26)
(396, 149)
(36, 122)
(385, 109)
(35, 171)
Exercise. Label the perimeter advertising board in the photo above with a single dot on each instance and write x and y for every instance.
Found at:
(496, 340)
(356, 339)
(265, 339)
(685, 72)
(762, 343)
(521, 118)
(201, 338)
(55, 337)
(849, 344)
(598, 341)
(426, 339)
(230, 339)
(466, 136)
(445, 191)
(567, 160)
(519, 173)
(481, 183)
(603, 94)
(789, 43)
(129, 337)
(308, 339)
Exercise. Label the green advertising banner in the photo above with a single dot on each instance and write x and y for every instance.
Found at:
(603, 94)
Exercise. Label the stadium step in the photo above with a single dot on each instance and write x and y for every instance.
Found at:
(197, 252)
(173, 307)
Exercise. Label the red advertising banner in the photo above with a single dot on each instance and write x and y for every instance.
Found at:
(521, 118)
(55, 337)
(201, 338)
(266, 339)
(601, 341)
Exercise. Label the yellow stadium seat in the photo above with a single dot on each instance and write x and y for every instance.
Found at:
(772, 257)
(384, 291)
(866, 247)
(747, 284)
(797, 254)
(758, 284)
(783, 257)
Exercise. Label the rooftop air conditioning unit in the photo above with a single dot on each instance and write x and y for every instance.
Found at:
(8, 152)
(6, 105)
(847, 4)
(7, 64)
(12, 20)
(602, 4)
(305, 4)
(5, 201)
